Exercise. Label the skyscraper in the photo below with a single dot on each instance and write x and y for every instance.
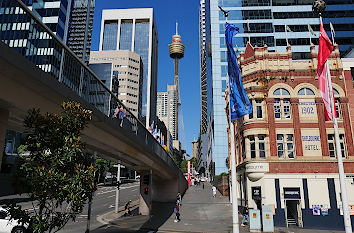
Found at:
(80, 29)
(127, 69)
(135, 30)
(167, 109)
(203, 77)
(270, 22)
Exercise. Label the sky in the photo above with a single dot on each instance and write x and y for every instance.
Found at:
(166, 14)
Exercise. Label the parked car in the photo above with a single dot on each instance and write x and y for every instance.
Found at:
(110, 179)
(8, 225)
(203, 179)
(137, 177)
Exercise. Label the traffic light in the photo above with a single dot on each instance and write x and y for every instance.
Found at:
(146, 191)
(146, 179)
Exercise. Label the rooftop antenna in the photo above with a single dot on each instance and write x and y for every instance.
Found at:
(176, 28)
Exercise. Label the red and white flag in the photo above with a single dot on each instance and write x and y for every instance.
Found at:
(325, 48)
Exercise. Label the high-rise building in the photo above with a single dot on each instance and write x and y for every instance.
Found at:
(203, 76)
(80, 29)
(55, 14)
(167, 109)
(135, 30)
(270, 22)
(128, 69)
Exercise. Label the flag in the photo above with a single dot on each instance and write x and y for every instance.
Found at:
(325, 48)
(240, 105)
(311, 30)
(287, 28)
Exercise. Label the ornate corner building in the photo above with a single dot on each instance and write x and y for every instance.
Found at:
(285, 150)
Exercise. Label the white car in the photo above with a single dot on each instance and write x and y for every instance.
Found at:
(10, 226)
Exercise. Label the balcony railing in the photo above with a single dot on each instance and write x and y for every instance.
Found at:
(24, 32)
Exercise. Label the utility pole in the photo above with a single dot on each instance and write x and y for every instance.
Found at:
(88, 225)
(117, 190)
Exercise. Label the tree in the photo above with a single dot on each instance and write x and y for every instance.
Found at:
(102, 166)
(184, 164)
(56, 172)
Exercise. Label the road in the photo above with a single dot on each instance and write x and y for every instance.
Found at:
(103, 202)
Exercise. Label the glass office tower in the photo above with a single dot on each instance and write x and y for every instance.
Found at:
(135, 30)
(80, 28)
(262, 22)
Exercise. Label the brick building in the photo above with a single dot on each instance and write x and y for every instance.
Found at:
(285, 150)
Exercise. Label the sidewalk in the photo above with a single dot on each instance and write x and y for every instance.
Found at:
(200, 213)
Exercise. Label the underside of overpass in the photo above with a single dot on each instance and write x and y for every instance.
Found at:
(24, 86)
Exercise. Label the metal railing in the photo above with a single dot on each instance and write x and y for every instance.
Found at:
(24, 32)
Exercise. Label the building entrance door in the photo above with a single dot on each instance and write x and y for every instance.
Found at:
(293, 213)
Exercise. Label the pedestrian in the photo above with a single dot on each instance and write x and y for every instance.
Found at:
(245, 216)
(179, 199)
(127, 207)
(214, 191)
(176, 211)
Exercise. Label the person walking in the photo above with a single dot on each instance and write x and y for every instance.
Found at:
(179, 199)
(214, 191)
(176, 211)
(127, 207)
(245, 216)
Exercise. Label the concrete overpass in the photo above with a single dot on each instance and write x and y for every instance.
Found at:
(29, 79)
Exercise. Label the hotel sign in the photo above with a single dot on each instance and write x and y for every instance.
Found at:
(311, 142)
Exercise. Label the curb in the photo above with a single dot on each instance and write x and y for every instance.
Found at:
(105, 219)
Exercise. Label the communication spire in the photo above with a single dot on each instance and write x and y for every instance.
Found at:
(176, 49)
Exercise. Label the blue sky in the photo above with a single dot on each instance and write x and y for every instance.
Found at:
(166, 13)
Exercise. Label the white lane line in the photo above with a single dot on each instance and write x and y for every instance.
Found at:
(113, 190)
(111, 196)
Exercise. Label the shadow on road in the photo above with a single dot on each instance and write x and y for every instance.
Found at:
(140, 223)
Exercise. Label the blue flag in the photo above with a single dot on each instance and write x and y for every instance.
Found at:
(239, 102)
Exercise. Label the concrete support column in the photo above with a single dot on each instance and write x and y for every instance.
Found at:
(145, 198)
(4, 116)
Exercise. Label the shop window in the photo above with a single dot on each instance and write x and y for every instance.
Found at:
(282, 109)
(285, 146)
(332, 145)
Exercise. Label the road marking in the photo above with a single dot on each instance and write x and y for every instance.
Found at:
(111, 206)
(111, 196)
(113, 190)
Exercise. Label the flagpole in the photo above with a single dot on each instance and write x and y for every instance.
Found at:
(286, 35)
(345, 206)
(235, 224)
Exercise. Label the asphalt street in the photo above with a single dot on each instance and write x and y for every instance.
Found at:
(102, 203)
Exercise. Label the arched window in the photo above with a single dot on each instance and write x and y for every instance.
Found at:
(335, 91)
(282, 106)
(305, 91)
(281, 91)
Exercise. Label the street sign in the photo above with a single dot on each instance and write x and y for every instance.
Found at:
(256, 193)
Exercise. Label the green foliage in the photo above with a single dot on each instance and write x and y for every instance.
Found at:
(102, 166)
(56, 171)
(222, 174)
(184, 164)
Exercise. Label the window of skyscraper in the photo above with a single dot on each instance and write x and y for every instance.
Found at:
(141, 47)
(110, 35)
(126, 30)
